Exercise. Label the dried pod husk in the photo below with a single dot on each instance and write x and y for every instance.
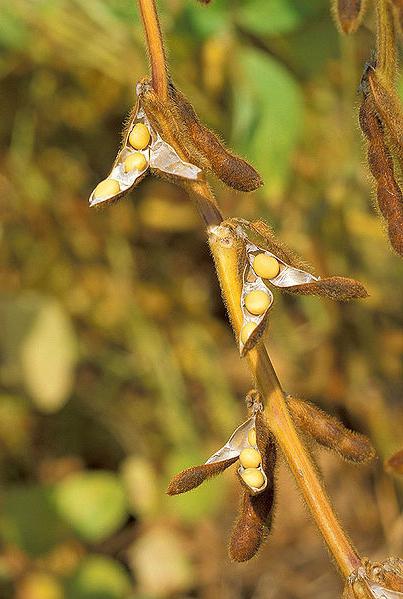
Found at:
(341, 289)
(383, 580)
(256, 511)
(193, 477)
(394, 464)
(292, 277)
(348, 14)
(389, 110)
(262, 235)
(330, 432)
(231, 169)
(389, 194)
(159, 157)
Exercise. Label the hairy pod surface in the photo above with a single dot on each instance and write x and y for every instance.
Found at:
(348, 14)
(329, 432)
(256, 511)
(389, 110)
(341, 289)
(389, 194)
(231, 169)
(193, 477)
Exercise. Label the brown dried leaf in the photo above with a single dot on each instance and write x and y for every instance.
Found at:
(330, 432)
(341, 289)
(193, 477)
(348, 14)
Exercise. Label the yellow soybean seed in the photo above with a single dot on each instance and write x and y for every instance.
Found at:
(252, 437)
(247, 330)
(107, 188)
(136, 161)
(257, 302)
(266, 266)
(139, 136)
(253, 477)
(250, 457)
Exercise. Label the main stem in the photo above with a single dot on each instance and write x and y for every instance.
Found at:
(225, 256)
(159, 73)
(222, 243)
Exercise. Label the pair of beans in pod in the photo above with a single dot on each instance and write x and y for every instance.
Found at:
(250, 460)
(139, 139)
(257, 301)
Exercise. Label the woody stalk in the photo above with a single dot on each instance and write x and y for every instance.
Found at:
(170, 140)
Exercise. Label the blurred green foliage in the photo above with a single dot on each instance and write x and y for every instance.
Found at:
(118, 367)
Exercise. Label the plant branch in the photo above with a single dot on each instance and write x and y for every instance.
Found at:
(155, 46)
(223, 247)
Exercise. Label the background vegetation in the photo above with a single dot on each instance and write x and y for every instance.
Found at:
(118, 366)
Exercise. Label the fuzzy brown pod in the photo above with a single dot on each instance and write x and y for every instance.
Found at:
(142, 149)
(262, 261)
(178, 123)
(389, 194)
(348, 14)
(389, 110)
(256, 511)
(193, 477)
(329, 432)
(233, 170)
(292, 277)
(394, 464)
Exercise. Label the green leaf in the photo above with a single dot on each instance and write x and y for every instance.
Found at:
(29, 520)
(267, 116)
(274, 17)
(99, 577)
(48, 355)
(93, 503)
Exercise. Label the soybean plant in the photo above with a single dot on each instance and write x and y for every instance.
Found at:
(164, 136)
